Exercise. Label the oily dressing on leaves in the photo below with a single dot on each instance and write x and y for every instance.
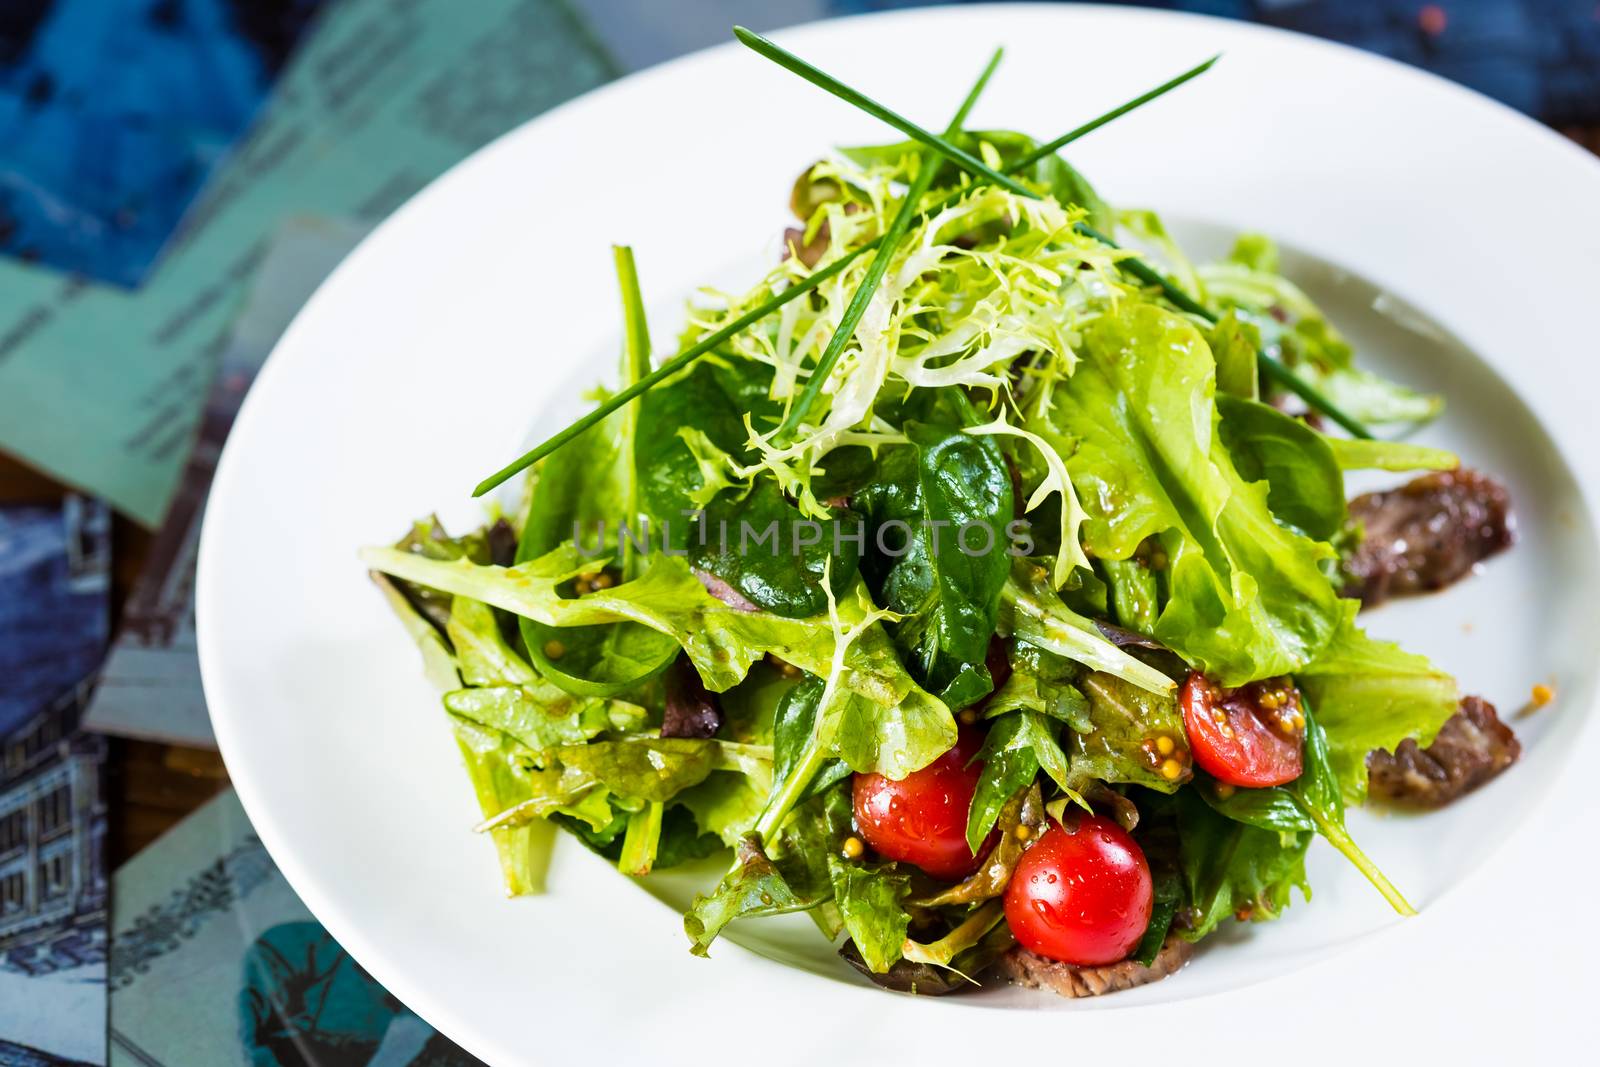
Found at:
(1246, 597)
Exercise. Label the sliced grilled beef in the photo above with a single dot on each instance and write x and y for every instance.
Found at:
(1026, 969)
(1472, 747)
(1426, 534)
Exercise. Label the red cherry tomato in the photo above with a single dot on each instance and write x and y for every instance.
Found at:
(1251, 736)
(1081, 895)
(922, 819)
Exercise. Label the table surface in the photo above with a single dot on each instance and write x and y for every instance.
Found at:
(151, 787)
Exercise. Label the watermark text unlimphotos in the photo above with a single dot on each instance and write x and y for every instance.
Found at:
(894, 538)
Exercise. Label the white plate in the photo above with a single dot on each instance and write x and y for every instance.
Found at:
(488, 301)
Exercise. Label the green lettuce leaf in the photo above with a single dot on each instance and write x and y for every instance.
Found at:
(1294, 330)
(1247, 598)
(754, 887)
(869, 898)
(1372, 695)
(1124, 725)
(1232, 869)
(883, 721)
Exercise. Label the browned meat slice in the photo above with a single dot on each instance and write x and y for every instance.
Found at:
(808, 252)
(1472, 747)
(1036, 972)
(1426, 534)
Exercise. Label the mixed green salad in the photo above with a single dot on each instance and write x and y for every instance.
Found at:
(971, 579)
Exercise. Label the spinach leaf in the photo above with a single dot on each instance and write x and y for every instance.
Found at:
(1231, 869)
(948, 496)
(1124, 740)
(882, 722)
(1246, 596)
(753, 887)
(869, 899)
(1304, 485)
(763, 546)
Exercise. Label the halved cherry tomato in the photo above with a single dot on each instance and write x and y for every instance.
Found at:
(1082, 894)
(1251, 736)
(922, 819)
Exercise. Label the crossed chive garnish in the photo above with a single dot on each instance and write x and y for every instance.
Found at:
(884, 247)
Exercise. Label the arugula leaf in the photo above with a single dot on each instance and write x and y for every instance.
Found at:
(938, 490)
(1247, 598)
(1372, 695)
(1352, 455)
(869, 899)
(882, 723)
(1126, 724)
(753, 887)
(1018, 744)
(1026, 808)
(1168, 895)
(1313, 802)
(1304, 485)
(588, 484)
(1295, 330)
(793, 730)
(1231, 869)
